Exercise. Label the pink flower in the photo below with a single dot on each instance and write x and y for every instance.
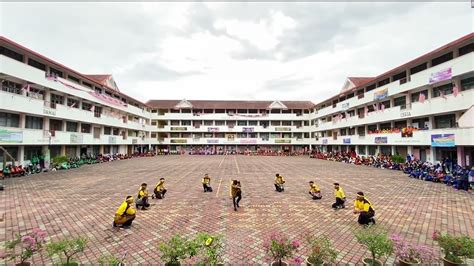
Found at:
(40, 234)
(295, 243)
(298, 260)
(29, 242)
(436, 235)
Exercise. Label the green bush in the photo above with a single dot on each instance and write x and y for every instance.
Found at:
(376, 241)
(66, 249)
(456, 249)
(109, 259)
(176, 249)
(322, 250)
(58, 160)
(398, 159)
(211, 248)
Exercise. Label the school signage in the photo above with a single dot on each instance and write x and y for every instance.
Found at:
(285, 141)
(381, 94)
(178, 128)
(212, 129)
(381, 140)
(212, 141)
(443, 140)
(283, 129)
(345, 106)
(442, 75)
(49, 111)
(75, 138)
(325, 141)
(178, 141)
(247, 129)
(7, 136)
(248, 141)
(346, 141)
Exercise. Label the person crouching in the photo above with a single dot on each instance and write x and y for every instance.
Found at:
(125, 214)
(314, 191)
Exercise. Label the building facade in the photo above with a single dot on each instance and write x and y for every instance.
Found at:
(423, 107)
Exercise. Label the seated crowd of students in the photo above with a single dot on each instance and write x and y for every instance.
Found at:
(445, 171)
(405, 130)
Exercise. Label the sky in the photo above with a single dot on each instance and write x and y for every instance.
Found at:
(234, 51)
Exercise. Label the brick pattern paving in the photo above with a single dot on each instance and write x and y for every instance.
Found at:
(81, 202)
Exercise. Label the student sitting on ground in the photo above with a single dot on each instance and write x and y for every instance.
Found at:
(314, 191)
(125, 214)
(206, 183)
(279, 181)
(363, 207)
(142, 198)
(160, 189)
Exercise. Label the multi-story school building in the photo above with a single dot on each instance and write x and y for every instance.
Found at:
(423, 107)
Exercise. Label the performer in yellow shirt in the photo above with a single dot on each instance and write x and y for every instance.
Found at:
(236, 193)
(206, 183)
(160, 189)
(142, 198)
(314, 191)
(340, 197)
(364, 208)
(279, 181)
(125, 214)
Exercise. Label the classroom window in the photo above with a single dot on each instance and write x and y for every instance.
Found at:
(9, 120)
(33, 122)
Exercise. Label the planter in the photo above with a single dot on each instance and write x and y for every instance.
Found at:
(371, 262)
(276, 263)
(404, 263)
(173, 263)
(450, 263)
(25, 263)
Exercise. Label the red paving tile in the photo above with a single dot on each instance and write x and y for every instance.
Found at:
(81, 202)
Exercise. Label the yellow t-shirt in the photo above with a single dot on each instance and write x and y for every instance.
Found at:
(142, 193)
(363, 205)
(314, 188)
(160, 186)
(123, 207)
(339, 193)
(279, 180)
(206, 180)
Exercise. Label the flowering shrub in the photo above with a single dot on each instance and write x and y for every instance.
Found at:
(176, 249)
(322, 250)
(376, 241)
(66, 249)
(412, 253)
(210, 248)
(29, 244)
(456, 248)
(279, 247)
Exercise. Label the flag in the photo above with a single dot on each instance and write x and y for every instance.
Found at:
(92, 108)
(455, 91)
(366, 111)
(73, 104)
(26, 87)
(382, 107)
(421, 98)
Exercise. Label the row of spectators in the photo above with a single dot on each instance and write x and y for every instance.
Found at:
(405, 130)
(446, 171)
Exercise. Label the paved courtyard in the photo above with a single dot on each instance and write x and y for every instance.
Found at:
(82, 202)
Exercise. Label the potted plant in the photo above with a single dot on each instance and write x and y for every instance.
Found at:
(279, 247)
(66, 249)
(176, 249)
(29, 244)
(377, 242)
(112, 260)
(210, 248)
(411, 254)
(322, 251)
(456, 249)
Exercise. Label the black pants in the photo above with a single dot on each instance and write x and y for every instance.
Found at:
(316, 195)
(279, 187)
(236, 200)
(144, 202)
(207, 188)
(159, 194)
(339, 203)
(365, 217)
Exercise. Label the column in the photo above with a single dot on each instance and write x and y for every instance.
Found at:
(22, 120)
(431, 156)
(410, 150)
(21, 155)
(394, 150)
(101, 149)
(461, 156)
(63, 150)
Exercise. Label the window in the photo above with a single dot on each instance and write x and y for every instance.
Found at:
(97, 111)
(444, 89)
(286, 123)
(361, 131)
(420, 122)
(275, 111)
(383, 82)
(442, 59)
(73, 79)
(286, 111)
(220, 123)
(445, 121)
(9, 120)
(241, 123)
(467, 84)
(400, 124)
(399, 76)
(361, 149)
(208, 122)
(416, 96)
(386, 104)
(96, 133)
(253, 123)
(10, 53)
(466, 49)
(86, 106)
(185, 111)
(57, 99)
(98, 90)
(34, 122)
(276, 123)
(418, 68)
(71, 126)
(385, 126)
(174, 135)
(107, 130)
(72, 103)
(55, 72)
(343, 131)
(186, 122)
(372, 150)
(32, 151)
(220, 111)
(85, 128)
(12, 150)
(36, 64)
(370, 87)
(153, 135)
(11, 87)
(399, 101)
(87, 84)
(55, 125)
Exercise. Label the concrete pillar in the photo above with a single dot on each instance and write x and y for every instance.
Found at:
(410, 150)
(21, 155)
(46, 123)
(394, 150)
(101, 149)
(64, 125)
(22, 120)
(47, 156)
(63, 150)
(431, 122)
(47, 96)
(78, 151)
(431, 155)
(461, 156)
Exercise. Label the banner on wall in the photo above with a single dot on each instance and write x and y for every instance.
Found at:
(346, 141)
(325, 141)
(282, 140)
(75, 138)
(381, 140)
(212, 129)
(248, 141)
(212, 141)
(442, 75)
(381, 94)
(247, 129)
(345, 106)
(178, 141)
(443, 140)
(178, 128)
(283, 129)
(7, 136)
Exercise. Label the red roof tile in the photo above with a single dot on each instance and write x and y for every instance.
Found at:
(357, 81)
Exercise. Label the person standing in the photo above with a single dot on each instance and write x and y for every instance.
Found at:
(279, 181)
(125, 214)
(364, 208)
(236, 193)
(340, 197)
(206, 183)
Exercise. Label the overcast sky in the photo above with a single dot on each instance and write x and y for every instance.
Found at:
(245, 51)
